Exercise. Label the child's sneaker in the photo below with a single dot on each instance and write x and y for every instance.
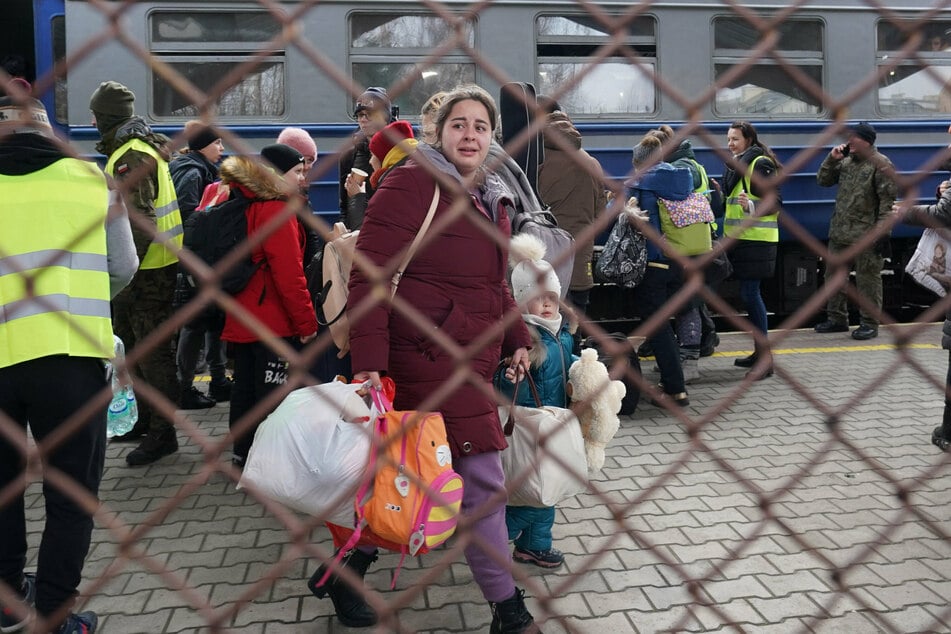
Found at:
(12, 620)
(550, 558)
(82, 623)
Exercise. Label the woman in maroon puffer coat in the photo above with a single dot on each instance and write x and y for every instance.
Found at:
(457, 281)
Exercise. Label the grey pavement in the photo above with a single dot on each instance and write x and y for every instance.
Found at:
(811, 505)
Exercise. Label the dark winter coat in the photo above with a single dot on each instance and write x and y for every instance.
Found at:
(941, 212)
(751, 259)
(551, 357)
(352, 210)
(191, 173)
(457, 281)
(277, 293)
(570, 182)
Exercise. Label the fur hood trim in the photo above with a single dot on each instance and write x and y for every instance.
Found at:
(260, 180)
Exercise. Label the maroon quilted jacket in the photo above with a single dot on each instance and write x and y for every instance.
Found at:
(457, 280)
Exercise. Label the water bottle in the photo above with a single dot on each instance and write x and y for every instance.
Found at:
(123, 411)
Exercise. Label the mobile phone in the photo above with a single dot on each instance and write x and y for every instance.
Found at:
(846, 149)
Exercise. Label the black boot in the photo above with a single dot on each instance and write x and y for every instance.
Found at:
(156, 445)
(512, 617)
(192, 398)
(745, 362)
(760, 351)
(220, 391)
(352, 609)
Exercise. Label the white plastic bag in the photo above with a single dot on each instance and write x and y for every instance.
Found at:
(309, 455)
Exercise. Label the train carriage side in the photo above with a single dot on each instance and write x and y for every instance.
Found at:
(688, 44)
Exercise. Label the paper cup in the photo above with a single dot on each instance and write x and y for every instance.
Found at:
(358, 175)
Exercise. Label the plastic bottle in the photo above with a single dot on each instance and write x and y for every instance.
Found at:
(123, 411)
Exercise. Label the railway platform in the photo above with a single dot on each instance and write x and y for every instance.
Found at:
(811, 501)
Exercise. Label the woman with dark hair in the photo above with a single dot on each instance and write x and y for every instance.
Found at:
(751, 207)
(456, 280)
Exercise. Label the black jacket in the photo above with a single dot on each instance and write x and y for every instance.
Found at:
(191, 173)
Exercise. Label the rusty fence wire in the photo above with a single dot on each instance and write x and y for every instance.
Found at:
(295, 538)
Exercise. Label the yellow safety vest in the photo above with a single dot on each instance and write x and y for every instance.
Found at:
(54, 276)
(763, 229)
(167, 216)
(704, 186)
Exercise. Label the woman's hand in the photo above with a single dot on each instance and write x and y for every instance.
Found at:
(519, 363)
(372, 377)
(308, 338)
(744, 201)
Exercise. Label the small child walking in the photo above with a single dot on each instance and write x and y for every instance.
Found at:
(537, 291)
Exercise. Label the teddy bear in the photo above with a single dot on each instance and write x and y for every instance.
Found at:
(599, 400)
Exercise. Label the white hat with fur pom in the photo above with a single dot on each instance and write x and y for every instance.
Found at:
(531, 274)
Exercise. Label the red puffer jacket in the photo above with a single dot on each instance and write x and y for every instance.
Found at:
(277, 293)
(457, 280)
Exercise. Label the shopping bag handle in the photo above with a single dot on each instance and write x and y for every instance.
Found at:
(510, 424)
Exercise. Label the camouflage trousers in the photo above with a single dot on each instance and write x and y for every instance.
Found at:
(138, 310)
(868, 282)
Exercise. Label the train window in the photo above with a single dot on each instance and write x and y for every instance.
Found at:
(218, 27)
(920, 84)
(383, 30)
(386, 48)
(565, 44)
(206, 47)
(766, 87)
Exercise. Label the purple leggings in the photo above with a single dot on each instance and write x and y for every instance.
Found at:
(483, 478)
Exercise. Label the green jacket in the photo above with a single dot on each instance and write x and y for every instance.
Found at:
(866, 193)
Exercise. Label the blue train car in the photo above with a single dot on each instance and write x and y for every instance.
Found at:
(800, 74)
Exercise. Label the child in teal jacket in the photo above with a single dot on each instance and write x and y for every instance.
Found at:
(536, 290)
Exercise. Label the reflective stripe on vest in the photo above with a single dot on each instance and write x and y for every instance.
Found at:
(763, 228)
(54, 272)
(168, 219)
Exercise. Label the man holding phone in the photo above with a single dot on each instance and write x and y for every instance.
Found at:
(867, 190)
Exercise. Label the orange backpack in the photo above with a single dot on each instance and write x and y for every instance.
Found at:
(410, 499)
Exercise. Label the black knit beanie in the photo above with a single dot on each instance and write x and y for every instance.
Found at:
(283, 157)
(204, 137)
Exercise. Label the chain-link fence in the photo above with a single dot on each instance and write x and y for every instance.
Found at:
(463, 346)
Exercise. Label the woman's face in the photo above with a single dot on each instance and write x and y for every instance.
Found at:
(213, 150)
(736, 142)
(466, 136)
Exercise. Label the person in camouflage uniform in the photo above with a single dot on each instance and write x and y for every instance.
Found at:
(147, 302)
(867, 190)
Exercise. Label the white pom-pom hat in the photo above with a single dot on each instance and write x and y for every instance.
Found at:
(531, 275)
